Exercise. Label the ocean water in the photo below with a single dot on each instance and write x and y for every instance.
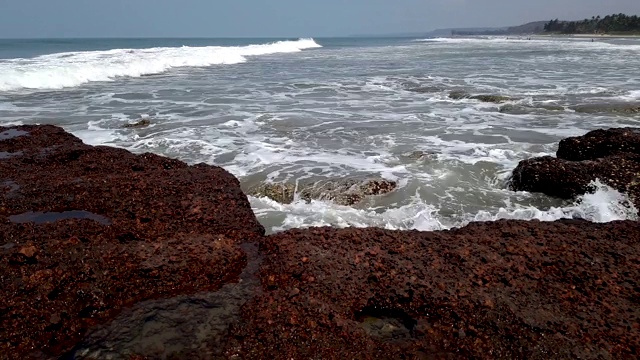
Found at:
(311, 109)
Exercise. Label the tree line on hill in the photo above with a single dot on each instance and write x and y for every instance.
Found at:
(618, 23)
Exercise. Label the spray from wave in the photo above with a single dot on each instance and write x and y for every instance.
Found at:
(605, 204)
(57, 71)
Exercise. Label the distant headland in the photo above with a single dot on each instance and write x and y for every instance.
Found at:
(617, 24)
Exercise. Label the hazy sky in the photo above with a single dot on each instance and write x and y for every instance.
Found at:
(279, 18)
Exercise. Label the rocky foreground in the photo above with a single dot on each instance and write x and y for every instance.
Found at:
(88, 233)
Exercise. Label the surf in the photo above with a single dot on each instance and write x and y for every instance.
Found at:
(72, 69)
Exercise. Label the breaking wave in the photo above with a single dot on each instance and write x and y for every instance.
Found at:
(604, 204)
(61, 70)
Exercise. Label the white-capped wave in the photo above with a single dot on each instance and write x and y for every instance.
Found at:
(539, 41)
(56, 71)
(605, 204)
(632, 95)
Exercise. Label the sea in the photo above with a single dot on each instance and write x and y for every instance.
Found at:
(300, 110)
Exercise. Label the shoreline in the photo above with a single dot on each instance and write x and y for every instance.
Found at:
(591, 36)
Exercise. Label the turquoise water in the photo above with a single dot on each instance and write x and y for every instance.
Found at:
(319, 109)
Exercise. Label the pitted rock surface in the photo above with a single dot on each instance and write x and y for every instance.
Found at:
(599, 144)
(506, 289)
(86, 231)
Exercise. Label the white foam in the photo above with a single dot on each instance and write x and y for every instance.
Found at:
(56, 71)
(416, 215)
(603, 205)
(536, 41)
(631, 95)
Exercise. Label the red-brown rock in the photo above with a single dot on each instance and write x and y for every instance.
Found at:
(611, 156)
(506, 289)
(86, 231)
(599, 144)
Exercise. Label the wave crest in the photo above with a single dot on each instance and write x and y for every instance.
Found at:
(61, 70)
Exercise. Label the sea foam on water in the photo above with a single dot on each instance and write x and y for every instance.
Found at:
(61, 70)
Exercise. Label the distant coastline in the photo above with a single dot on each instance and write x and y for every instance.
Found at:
(594, 36)
(612, 25)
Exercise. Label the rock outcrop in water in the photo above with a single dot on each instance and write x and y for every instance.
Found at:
(86, 231)
(458, 95)
(345, 192)
(528, 109)
(612, 156)
(138, 124)
(609, 108)
(506, 289)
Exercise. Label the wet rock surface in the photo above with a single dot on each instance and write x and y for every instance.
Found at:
(345, 192)
(420, 156)
(348, 191)
(529, 109)
(138, 124)
(506, 289)
(86, 231)
(611, 156)
(609, 108)
(459, 95)
(600, 143)
(283, 193)
(184, 327)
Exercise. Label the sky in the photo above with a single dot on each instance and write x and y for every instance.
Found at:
(280, 18)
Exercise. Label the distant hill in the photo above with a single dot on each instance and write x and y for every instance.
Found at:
(534, 27)
(528, 28)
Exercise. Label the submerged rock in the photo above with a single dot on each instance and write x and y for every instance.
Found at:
(139, 124)
(614, 108)
(506, 289)
(347, 192)
(459, 95)
(522, 109)
(423, 89)
(95, 229)
(419, 155)
(612, 156)
(343, 192)
(280, 192)
(491, 98)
